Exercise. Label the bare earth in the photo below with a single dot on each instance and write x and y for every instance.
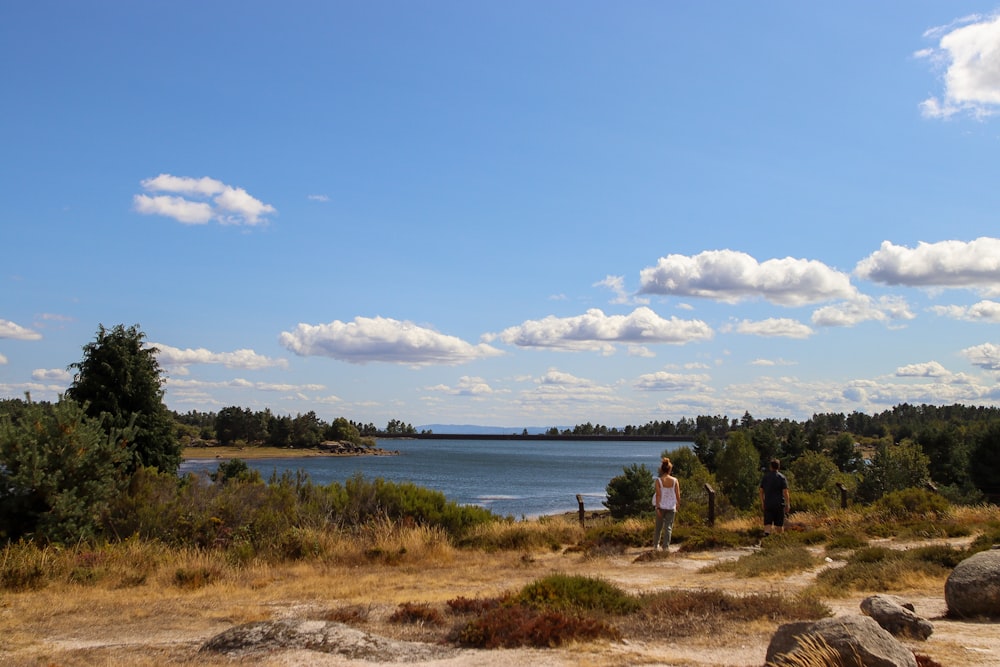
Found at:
(167, 625)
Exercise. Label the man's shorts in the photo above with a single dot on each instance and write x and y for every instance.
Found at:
(774, 516)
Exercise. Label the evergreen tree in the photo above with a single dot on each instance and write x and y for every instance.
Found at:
(631, 493)
(119, 377)
(738, 470)
(59, 470)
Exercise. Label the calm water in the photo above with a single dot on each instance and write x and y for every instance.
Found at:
(508, 477)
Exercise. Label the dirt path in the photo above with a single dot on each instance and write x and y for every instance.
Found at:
(91, 630)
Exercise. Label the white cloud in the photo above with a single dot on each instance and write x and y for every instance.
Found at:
(596, 331)
(199, 201)
(321, 198)
(771, 362)
(985, 356)
(975, 264)
(984, 311)
(970, 57)
(617, 285)
(382, 339)
(52, 375)
(862, 309)
(240, 383)
(665, 381)
(246, 359)
(3, 360)
(929, 369)
(772, 327)
(731, 276)
(467, 386)
(9, 329)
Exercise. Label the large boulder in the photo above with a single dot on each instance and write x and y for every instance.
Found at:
(857, 640)
(897, 616)
(973, 587)
(243, 641)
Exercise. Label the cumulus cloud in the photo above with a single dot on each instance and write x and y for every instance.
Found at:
(929, 369)
(595, 331)
(197, 201)
(246, 359)
(3, 360)
(986, 356)
(9, 329)
(863, 309)
(973, 264)
(771, 328)
(51, 375)
(970, 57)
(467, 386)
(241, 383)
(771, 362)
(666, 381)
(382, 339)
(617, 285)
(731, 276)
(984, 311)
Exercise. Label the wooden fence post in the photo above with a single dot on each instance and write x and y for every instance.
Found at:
(711, 504)
(843, 495)
(579, 501)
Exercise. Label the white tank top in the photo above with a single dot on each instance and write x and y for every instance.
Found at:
(668, 495)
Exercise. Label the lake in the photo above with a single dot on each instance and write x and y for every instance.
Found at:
(509, 477)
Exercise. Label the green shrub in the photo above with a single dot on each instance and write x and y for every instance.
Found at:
(845, 541)
(566, 592)
(619, 535)
(704, 538)
(631, 493)
(909, 504)
(776, 557)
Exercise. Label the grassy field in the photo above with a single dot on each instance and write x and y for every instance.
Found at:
(143, 603)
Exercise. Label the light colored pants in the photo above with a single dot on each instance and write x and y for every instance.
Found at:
(664, 527)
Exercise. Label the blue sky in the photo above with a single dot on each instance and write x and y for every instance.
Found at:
(508, 214)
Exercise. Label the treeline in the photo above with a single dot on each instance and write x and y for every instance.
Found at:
(955, 447)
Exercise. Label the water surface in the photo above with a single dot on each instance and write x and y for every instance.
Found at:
(509, 477)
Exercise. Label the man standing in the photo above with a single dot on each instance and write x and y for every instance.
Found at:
(774, 498)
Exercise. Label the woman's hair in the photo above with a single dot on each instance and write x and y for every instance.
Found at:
(666, 466)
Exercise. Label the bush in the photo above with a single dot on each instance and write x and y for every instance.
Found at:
(911, 503)
(517, 625)
(59, 471)
(565, 592)
(631, 493)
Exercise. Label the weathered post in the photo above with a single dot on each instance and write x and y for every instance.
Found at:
(931, 486)
(579, 501)
(711, 504)
(843, 495)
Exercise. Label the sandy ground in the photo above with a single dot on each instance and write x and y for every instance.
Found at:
(89, 632)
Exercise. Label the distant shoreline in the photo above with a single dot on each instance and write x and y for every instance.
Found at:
(255, 453)
(618, 437)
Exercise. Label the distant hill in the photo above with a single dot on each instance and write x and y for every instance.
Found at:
(474, 429)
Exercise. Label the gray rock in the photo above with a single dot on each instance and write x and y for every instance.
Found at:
(858, 641)
(322, 636)
(897, 616)
(973, 587)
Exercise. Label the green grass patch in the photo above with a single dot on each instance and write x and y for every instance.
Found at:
(576, 593)
(777, 556)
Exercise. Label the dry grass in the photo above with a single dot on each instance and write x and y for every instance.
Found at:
(126, 604)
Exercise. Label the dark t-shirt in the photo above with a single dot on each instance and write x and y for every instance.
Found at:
(774, 483)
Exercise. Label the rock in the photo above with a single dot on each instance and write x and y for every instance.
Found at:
(858, 641)
(973, 587)
(322, 636)
(897, 616)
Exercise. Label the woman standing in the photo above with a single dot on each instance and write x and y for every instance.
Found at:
(666, 499)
